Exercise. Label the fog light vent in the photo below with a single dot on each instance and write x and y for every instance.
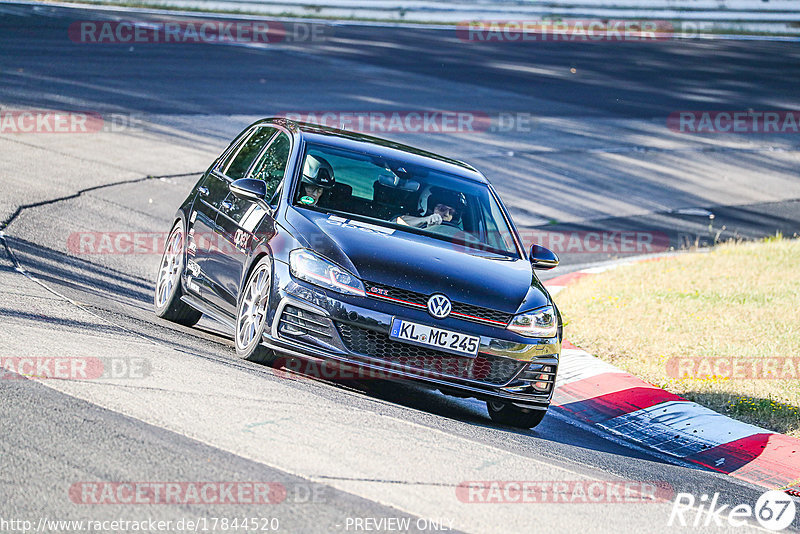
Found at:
(540, 377)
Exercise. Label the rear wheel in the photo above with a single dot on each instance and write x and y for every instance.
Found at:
(508, 414)
(167, 298)
(251, 315)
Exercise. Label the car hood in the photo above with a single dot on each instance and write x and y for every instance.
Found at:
(418, 263)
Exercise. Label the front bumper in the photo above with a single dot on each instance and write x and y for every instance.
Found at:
(309, 321)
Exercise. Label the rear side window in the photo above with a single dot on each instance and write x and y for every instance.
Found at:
(239, 160)
(359, 174)
(271, 165)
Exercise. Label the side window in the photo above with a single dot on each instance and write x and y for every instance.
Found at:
(271, 165)
(237, 163)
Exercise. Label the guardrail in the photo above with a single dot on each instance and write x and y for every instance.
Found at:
(781, 17)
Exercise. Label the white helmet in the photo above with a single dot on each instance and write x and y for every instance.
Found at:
(318, 171)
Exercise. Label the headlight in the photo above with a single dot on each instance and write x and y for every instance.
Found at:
(314, 269)
(538, 323)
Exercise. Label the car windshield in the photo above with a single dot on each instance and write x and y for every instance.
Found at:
(403, 196)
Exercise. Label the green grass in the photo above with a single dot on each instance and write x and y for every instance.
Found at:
(740, 302)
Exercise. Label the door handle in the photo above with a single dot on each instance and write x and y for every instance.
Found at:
(203, 191)
(226, 205)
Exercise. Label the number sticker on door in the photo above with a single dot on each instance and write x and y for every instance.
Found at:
(241, 238)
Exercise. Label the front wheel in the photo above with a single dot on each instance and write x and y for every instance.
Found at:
(251, 315)
(508, 414)
(167, 298)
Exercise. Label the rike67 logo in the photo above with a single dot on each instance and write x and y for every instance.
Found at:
(774, 510)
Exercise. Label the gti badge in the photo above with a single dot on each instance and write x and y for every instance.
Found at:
(379, 291)
(439, 306)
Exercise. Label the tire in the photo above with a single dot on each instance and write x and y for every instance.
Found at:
(508, 414)
(167, 295)
(251, 315)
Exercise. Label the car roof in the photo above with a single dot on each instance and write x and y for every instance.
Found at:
(378, 146)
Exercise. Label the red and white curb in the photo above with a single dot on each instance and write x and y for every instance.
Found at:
(597, 393)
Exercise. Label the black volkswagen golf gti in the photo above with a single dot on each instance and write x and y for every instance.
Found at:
(313, 242)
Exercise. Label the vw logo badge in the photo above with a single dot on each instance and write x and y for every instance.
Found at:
(439, 306)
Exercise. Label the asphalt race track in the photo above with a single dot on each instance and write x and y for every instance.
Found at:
(590, 152)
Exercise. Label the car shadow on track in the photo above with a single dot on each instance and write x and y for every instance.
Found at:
(124, 300)
(79, 274)
(472, 412)
(129, 299)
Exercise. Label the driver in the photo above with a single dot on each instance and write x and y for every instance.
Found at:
(443, 207)
(317, 178)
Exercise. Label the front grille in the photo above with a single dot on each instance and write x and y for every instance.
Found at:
(427, 362)
(467, 312)
(298, 322)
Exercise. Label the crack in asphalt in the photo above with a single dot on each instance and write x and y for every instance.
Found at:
(80, 192)
(20, 269)
(10, 219)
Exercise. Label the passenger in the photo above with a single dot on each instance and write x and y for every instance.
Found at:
(317, 178)
(443, 207)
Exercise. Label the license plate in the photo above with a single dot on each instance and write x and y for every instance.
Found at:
(435, 338)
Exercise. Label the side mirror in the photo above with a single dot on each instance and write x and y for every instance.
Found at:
(249, 189)
(543, 258)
